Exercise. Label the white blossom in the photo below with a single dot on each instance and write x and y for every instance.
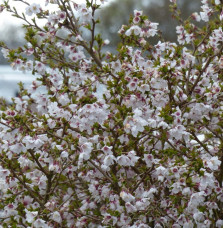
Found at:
(56, 217)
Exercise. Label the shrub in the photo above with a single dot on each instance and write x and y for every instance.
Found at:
(132, 139)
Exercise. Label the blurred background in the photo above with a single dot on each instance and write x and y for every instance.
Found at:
(112, 16)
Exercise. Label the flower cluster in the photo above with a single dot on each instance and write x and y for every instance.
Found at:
(132, 139)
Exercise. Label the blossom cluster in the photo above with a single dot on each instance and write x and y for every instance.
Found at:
(132, 139)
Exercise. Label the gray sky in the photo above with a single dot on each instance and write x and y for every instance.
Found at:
(6, 19)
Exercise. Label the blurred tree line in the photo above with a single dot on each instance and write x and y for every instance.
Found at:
(116, 14)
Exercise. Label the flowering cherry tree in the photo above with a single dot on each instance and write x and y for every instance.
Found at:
(132, 139)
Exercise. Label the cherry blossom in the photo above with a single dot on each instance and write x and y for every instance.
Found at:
(33, 9)
(125, 139)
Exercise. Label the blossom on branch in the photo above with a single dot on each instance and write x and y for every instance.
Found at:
(126, 139)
